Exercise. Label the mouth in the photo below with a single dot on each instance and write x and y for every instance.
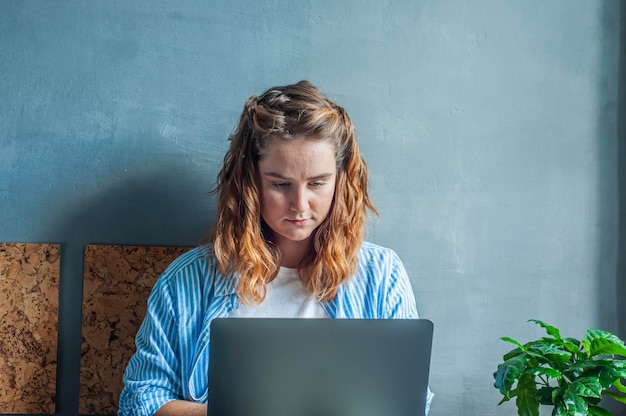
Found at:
(297, 223)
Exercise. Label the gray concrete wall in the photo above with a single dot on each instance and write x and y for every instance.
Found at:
(490, 129)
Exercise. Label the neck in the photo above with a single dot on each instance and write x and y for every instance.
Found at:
(294, 251)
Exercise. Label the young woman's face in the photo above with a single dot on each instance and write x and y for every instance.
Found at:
(297, 185)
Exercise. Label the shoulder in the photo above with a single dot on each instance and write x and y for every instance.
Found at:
(368, 249)
(195, 270)
(386, 272)
(196, 256)
(379, 289)
(377, 260)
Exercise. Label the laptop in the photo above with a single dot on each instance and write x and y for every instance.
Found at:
(318, 367)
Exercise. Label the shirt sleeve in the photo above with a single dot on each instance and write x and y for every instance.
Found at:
(151, 378)
(399, 298)
(401, 302)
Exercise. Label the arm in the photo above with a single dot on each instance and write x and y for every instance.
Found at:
(172, 343)
(182, 408)
(152, 376)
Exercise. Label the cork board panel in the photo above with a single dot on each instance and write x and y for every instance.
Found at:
(116, 285)
(29, 309)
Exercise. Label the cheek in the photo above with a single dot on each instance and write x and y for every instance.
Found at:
(263, 201)
(270, 202)
(327, 199)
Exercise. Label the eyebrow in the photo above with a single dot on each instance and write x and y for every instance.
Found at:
(312, 178)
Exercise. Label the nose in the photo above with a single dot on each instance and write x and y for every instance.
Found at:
(299, 202)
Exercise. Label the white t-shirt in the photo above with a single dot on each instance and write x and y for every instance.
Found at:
(286, 297)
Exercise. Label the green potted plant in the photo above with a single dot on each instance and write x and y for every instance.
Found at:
(569, 374)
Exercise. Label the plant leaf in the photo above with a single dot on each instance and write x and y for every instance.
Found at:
(598, 411)
(608, 376)
(603, 342)
(587, 347)
(575, 404)
(615, 396)
(573, 345)
(557, 394)
(513, 353)
(504, 399)
(544, 395)
(590, 368)
(560, 409)
(512, 341)
(585, 387)
(549, 352)
(605, 347)
(619, 386)
(546, 371)
(572, 341)
(554, 332)
(509, 372)
(527, 404)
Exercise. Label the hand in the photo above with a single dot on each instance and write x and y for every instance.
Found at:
(182, 408)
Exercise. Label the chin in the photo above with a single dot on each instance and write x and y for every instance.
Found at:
(297, 238)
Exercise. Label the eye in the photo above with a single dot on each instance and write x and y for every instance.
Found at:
(317, 184)
(280, 185)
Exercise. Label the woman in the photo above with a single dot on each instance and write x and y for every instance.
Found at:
(288, 242)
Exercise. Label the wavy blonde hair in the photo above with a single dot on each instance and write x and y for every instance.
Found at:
(242, 242)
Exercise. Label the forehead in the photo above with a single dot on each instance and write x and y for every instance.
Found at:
(299, 155)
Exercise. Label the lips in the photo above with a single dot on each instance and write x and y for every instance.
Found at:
(298, 223)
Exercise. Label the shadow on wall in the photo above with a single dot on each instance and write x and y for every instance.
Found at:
(620, 293)
(606, 291)
(170, 207)
(611, 258)
(621, 169)
(163, 208)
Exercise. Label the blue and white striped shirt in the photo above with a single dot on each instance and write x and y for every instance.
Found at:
(172, 354)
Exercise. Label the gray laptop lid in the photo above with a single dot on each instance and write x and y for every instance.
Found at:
(318, 367)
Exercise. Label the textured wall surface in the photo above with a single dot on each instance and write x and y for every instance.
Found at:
(116, 286)
(29, 306)
(490, 129)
